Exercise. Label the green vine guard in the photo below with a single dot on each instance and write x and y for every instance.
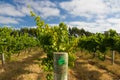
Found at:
(61, 61)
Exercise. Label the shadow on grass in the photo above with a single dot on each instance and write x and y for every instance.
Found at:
(82, 73)
(14, 69)
(108, 69)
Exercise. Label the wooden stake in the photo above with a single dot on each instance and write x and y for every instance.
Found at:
(60, 66)
(113, 57)
(3, 59)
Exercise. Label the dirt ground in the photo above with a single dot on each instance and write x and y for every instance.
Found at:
(26, 67)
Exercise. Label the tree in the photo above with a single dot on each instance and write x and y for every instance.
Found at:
(78, 32)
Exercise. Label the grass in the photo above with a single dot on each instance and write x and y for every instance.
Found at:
(24, 67)
(113, 70)
(27, 67)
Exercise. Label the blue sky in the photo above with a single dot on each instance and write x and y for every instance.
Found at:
(92, 15)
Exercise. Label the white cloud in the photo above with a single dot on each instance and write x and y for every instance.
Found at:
(114, 20)
(9, 10)
(48, 12)
(114, 5)
(25, 10)
(94, 27)
(104, 12)
(85, 8)
(19, 10)
(92, 8)
(42, 3)
(45, 8)
(28, 26)
(54, 24)
(100, 21)
(63, 17)
(8, 20)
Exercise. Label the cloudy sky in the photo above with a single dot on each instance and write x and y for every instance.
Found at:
(92, 15)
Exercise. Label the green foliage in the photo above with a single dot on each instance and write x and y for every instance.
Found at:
(101, 56)
(100, 43)
(49, 76)
(54, 39)
(13, 41)
(6, 40)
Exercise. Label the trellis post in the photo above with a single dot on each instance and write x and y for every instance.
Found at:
(60, 66)
(3, 59)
